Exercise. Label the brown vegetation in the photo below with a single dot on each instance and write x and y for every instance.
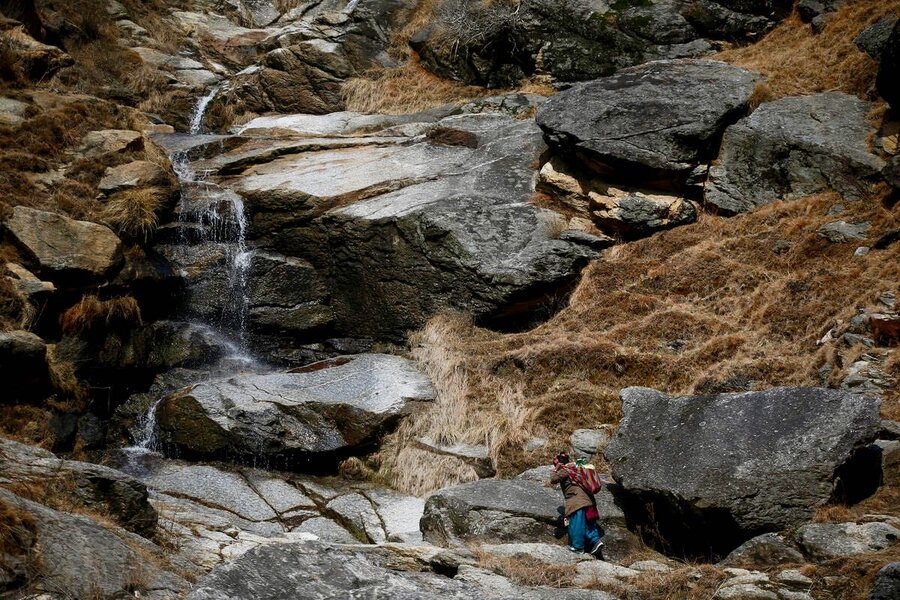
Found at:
(93, 314)
(134, 213)
(26, 424)
(798, 61)
(527, 571)
(705, 307)
(18, 534)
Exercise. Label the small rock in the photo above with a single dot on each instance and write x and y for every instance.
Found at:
(887, 583)
(28, 284)
(765, 549)
(588, 442)
(782, 246)
(794, 578)
(586, 572)
(534, 443)
(650, 566)
(861, 251)
(841, 232)
(140, 173)
(825, 541)
(111, 141)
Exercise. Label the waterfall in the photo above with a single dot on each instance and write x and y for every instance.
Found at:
(200, 111)
(352, 5)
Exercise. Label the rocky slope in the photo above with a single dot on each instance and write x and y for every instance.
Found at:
(255, 345)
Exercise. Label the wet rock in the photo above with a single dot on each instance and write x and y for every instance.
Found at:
(23, 367)
(794, 147)
(826, 541)
(840, 232)
(765, 549)
(476, 456)
(493, 510)
(63, 247)
(887, 582)
(84, 558)
(324, 409)
(668, 454)
(99, 488)
(659, 119)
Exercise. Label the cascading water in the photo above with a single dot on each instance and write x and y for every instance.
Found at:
(209, 215)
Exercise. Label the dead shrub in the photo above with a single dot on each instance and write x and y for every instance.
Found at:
(798, 61)
(92, 314)
(134, 213)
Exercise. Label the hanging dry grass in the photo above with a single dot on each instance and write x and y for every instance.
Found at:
(405, 89)
(92, 314)
(798, 61)
(134, 213)
(702, 308)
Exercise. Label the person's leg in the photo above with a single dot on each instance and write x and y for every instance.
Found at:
(592, 534)
(577, 523)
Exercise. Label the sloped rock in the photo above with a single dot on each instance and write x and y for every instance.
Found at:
(83, 557)
(111, 141)
(586, 572)
(324, 409)
(825, 541)
(326, 530)
(793, 147)
(661, 118)
(551, 554)
(23, 367)
(28, 284)
(399, 514)
(97, 487)
(493, 510)
(63, 247)
(873, 40)
(476, 456)
(358, 515)
(887, 582)
(765, 549)
(717, 470)
(140, 173)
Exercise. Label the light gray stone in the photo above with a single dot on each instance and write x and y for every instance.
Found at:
(840, 232)
(476, 456)
(826, 541)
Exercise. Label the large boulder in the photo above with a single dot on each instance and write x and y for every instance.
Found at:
(887, 582)
(324, 410)
(493, 510)
(402, 226)
(89, 559)
(709, 472)
(63, 247)
(23, 367)
(794, 147)
(657, 120)
(101, 489)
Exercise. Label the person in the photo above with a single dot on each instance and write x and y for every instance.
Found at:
(583, 532)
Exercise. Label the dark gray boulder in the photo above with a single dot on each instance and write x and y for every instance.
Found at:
(794, 147)
(661, 118)
(711, 472)
(324, 409)
(887, 82)
(887, 583)
(23, 367)
(873, 40)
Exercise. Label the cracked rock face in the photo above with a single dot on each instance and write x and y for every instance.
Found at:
(719, 469)
(327, 409)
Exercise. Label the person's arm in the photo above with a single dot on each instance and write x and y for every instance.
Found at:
(559, 475)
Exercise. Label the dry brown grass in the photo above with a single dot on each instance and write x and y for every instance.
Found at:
(709, 306)
(405, 89)
(527, 571)
(92, 314)
(71, 392)
(687, 583)
(13, 305)
(134, 213)
(18, 535)
(798, 61)
(26, 424)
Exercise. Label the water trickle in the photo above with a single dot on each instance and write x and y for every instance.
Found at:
(196, 125)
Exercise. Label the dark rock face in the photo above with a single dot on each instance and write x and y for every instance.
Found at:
(887, 583)
(887, 82)
(568, 40)
(322, 410)
(794, 147)
(873, 40)
(660, 118)
(106, 490)
(720, 469)
(23, 367)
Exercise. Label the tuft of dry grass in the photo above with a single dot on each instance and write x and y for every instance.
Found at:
(26, 424)
(405, 89)
(687, 583)
(798, 61)
(92, 314)
(18, 535)
(527, 571)
(71, 392)
(705, 307)
(14, 307)
(134, 213)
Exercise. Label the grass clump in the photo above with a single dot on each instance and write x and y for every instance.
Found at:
(134, 213)
(798, 61)
(92, 314)
(527, 571)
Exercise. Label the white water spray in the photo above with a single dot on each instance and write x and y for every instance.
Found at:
(196, 125)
